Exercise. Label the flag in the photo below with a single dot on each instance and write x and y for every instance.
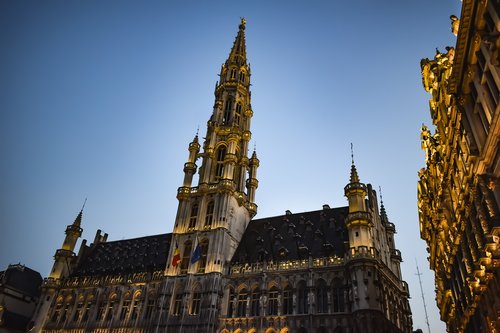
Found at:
(177, 256)
(196, 253)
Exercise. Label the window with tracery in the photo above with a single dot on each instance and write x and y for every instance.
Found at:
(242, 303)
(287, 300)
(255, 303)
(195, 303)
(321, 297)
(237, 113)
(302, 306)
(177, 309)
(272, 304)
(227, 111)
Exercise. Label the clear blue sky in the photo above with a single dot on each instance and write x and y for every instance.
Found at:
(99, 100)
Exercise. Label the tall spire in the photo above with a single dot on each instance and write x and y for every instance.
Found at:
(383, 213)
(354, 172)
(238, 54)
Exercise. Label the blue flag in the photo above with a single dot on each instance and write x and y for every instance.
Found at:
(196, 253)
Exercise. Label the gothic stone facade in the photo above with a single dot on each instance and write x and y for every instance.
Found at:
(459, 189)
(331, 270)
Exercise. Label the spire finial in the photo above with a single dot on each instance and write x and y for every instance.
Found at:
(84, 202)
(352, 155)
(380, 194)
(243, 23)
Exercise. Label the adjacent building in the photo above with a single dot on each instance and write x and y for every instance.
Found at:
(19, 294)
(221, 270)
(459, 189)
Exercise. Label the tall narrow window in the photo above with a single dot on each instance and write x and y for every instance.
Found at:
(204, 253)
(233, 73)
(227, 111)
(230, 302)
(195, 303)
(287, 300)
(242, 303)
(242, 76)
(272, 305)
(237, 113)
(255, 303)
(219, 166)
(338, 297)
(125, 309)
(101, 310)
(150, 307)
(86, 310)
(302, 298)
(193, 217)
(134, 311)
(177, 309)
(109, 312)
(186, 256)
(209, 217)
(57, 311)
(78, 311)
(321, 297)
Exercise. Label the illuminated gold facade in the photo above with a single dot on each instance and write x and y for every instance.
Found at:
(333, 270)
(459, 189)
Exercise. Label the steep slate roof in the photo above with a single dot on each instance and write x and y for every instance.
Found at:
(320, 233)
(145, 254)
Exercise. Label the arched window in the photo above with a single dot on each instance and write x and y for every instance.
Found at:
(138, 299)
(177, 308)
(204, 252)
(242, 303)
(111, 307)
(233, 73)
(186, 256)
(230, 302)
(209, 217)
(219, 164)
(321, 297)
(338, 297)
(194, 309)
(237, 113)
(86, 309)
(242, 76)
(287, 300)
(272, 305)
(227, 111)
(78, 310)
(193, 216)
(255, 303)
(302, 298)
(125, 308)
(150, 306)
(57, 310)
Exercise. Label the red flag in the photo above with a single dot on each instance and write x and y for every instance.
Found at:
(177, 256)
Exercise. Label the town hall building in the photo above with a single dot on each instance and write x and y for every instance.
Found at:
(336, 269)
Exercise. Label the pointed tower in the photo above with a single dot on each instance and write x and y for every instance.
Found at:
(213, 214)
(64, 256)
(63, 264)
(359, 220)
(217, 210)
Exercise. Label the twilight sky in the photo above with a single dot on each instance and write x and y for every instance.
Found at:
(100, 99)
